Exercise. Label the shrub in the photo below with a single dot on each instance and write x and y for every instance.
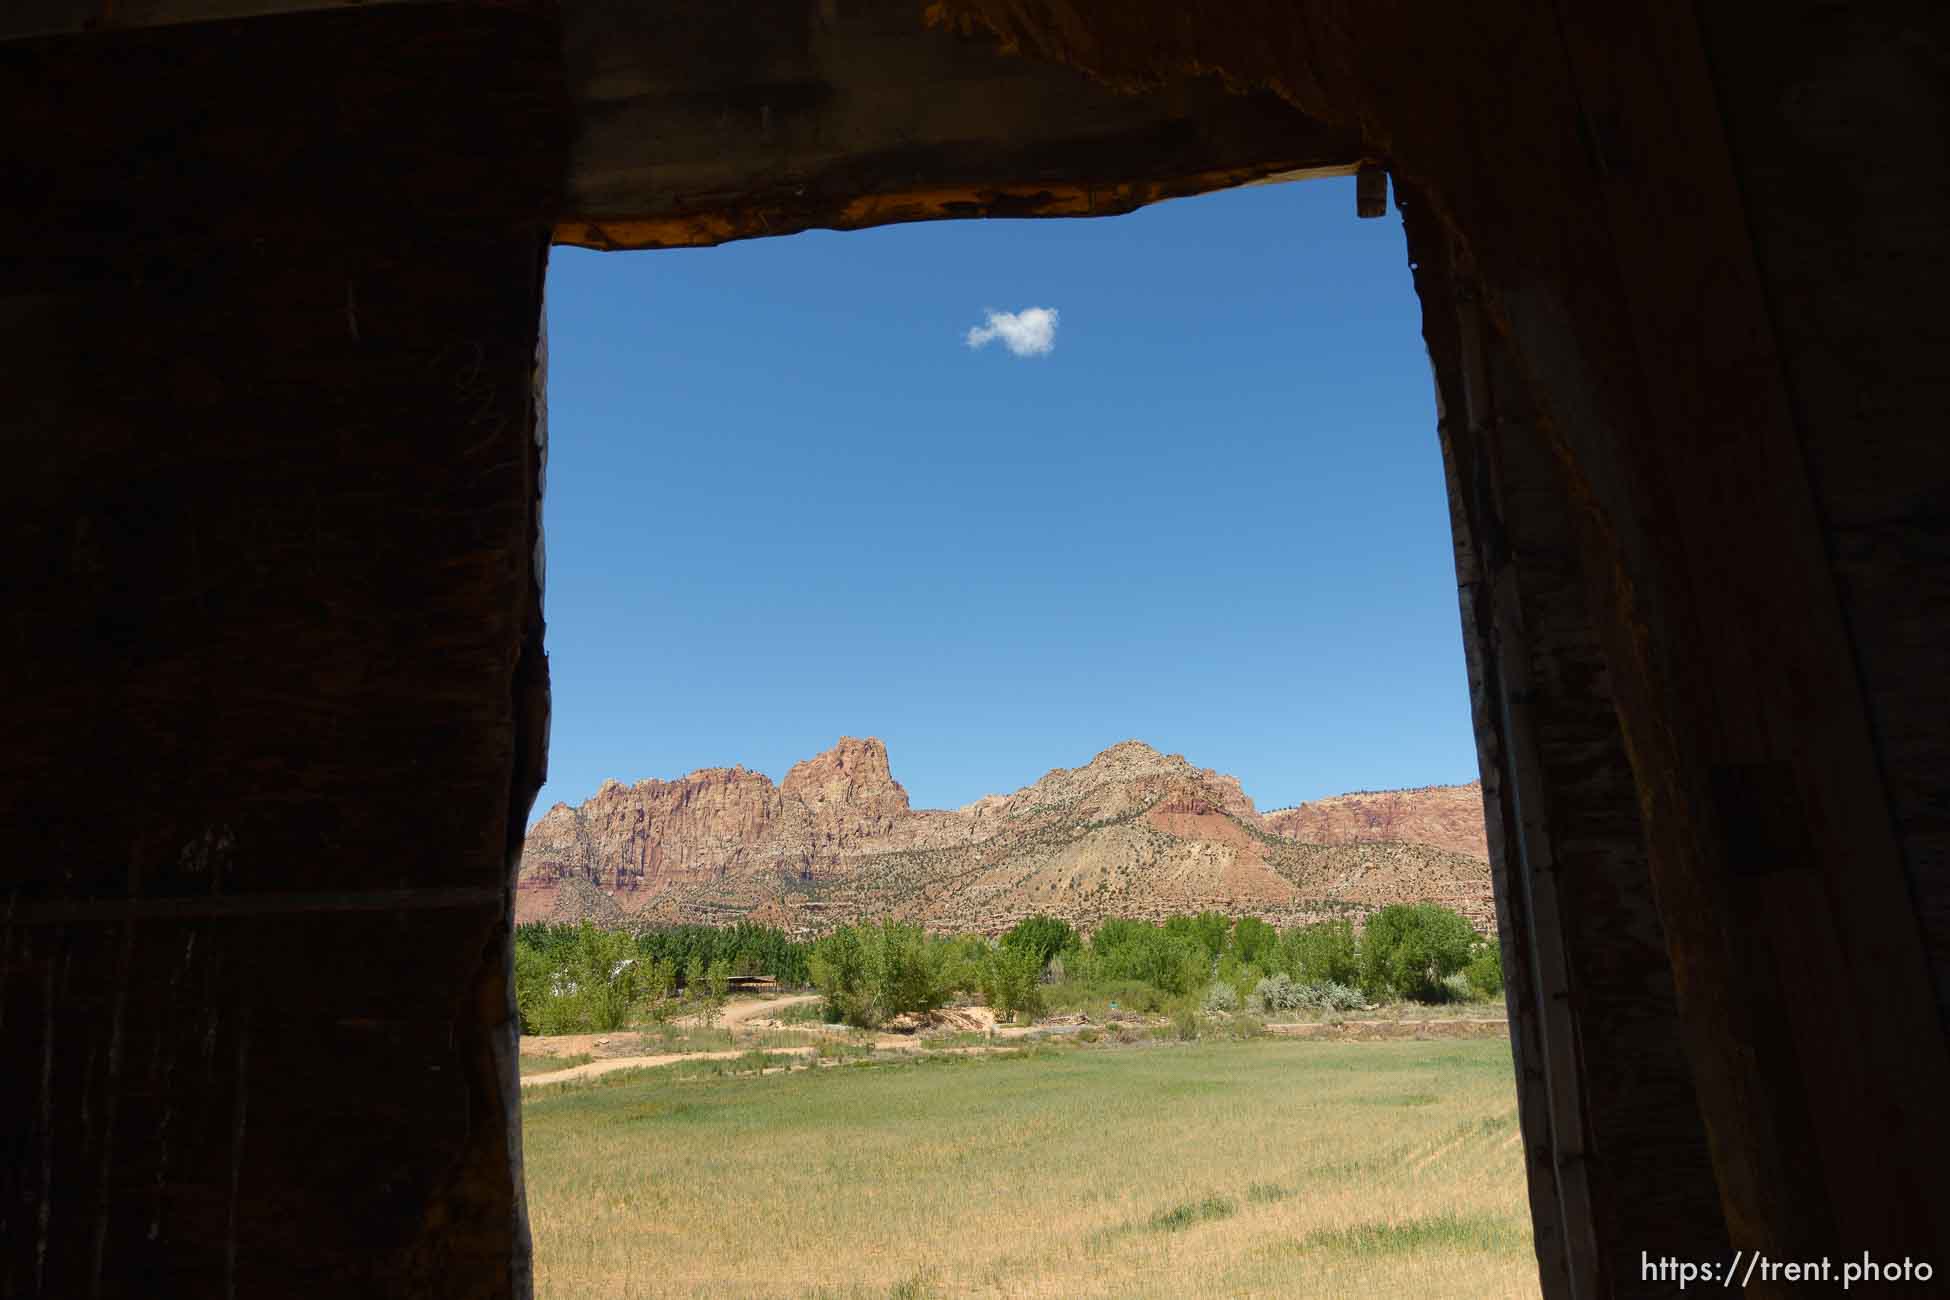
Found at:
(1485, 970)
(1410, 949)
(1275, 993)
(1096, 999)
(1246, 978)
(1221, 996)
(1184, 1020)
(1245, 1026)
(1329, 996)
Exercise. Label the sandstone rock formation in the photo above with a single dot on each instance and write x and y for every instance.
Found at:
(1131, 833)
(1447, 816)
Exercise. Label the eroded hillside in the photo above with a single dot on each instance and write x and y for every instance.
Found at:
(1131, 833)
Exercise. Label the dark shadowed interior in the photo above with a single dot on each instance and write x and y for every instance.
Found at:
(275, 438)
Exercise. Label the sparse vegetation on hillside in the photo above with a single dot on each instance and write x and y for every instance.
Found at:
(1133, 833)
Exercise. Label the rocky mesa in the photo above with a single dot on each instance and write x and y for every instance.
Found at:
(1131, 833)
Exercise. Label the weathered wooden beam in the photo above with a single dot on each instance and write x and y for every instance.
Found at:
(699, 123)
(1794, 938)
(269, 322)
(23, 18)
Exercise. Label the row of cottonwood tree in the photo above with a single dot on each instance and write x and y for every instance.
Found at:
(580, 978)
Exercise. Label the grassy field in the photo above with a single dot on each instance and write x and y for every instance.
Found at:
(1208, 1169)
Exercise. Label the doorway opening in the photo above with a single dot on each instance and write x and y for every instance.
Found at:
(986, 576)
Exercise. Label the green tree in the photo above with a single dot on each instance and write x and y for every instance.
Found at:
(838, 967)
(1409, 949)
(1043, 935)
(1254, 940)
(1325, 952)
(694, 973)
(534, 974)
(1009, 980)
(904, 969)
(869, 973)
(1208, 929)
(606, 972)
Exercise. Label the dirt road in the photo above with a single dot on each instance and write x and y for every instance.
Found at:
(737, 1013)
(615, 1063)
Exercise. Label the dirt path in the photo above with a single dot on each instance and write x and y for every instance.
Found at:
(736, 1016)
(1372, 1030)
(738, 1013)
(614, 1063)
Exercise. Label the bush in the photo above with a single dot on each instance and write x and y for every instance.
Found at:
(1275, 993)
(1245, 1026)
(1409, 950)
(1221, 996)
(1329, 996)
(1485, 970)
(1184, 1020)
(1096, 999)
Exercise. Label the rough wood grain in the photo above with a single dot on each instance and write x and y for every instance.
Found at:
(271, 493)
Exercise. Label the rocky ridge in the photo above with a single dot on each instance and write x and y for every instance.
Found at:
(1447, 816)
(1131, 833)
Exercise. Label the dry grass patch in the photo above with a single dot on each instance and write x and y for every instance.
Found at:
(1204, 1170)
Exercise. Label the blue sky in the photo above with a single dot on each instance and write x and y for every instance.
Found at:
(788, 501)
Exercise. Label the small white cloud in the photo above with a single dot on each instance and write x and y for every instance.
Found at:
(1030, 332)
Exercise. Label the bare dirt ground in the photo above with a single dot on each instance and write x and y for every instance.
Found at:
(754, 1014)
(1375, 1030)
(610, 1065)
(622, 1049)
(746, 1020)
